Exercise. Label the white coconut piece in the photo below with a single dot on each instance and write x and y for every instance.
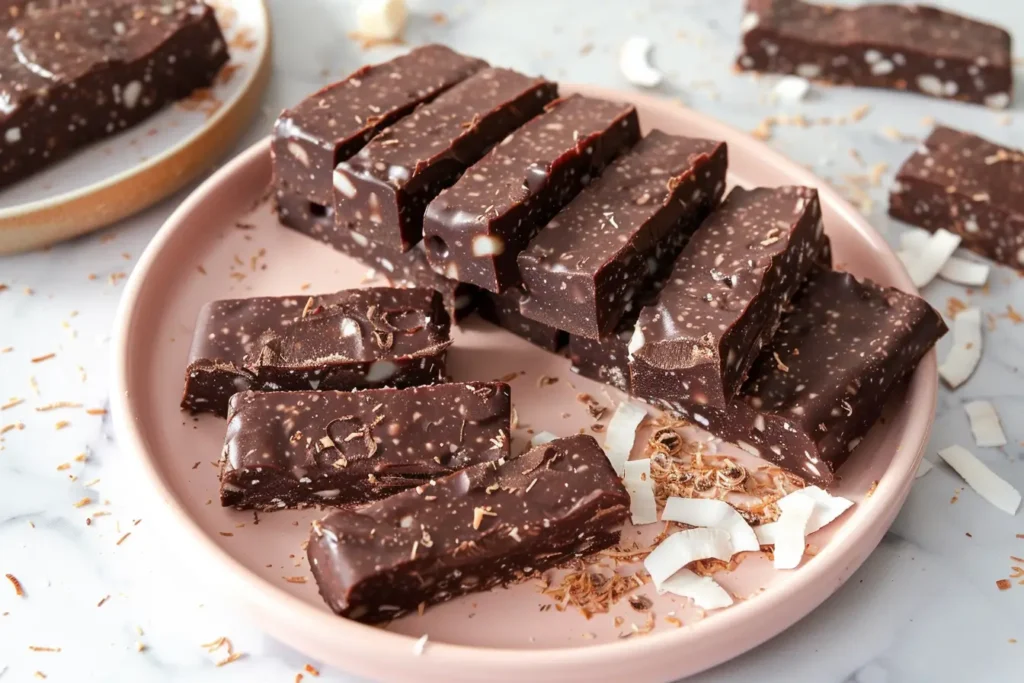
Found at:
(621, 434)
(640, 486)
(792, 88)
(381, 19)
(988, 432)
(634, 64)
(684, 547)
(965, 272)
(716, 514)
(420, 645)
(979, 477)
(924, 468)
(703, 590)
(924, 264)
(914, 239)
(541, 438)
(826, 509)
(791, 533)
(965, 354)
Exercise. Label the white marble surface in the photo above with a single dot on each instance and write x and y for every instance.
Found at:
(924, 607)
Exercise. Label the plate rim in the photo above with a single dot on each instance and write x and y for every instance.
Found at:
(817, 579)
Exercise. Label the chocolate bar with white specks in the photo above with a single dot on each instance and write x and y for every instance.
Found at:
(503, 310)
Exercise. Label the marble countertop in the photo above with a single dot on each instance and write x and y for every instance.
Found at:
(924, 607)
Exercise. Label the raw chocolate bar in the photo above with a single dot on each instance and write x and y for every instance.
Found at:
(584, 269)
(969, 186)
(403, 269)
(335, 122)
(489, 525)
(475, 229)
(503, 311)
(298, 448)
(381, 192)
(819, 386)
(77, 74)
(905, 47)
(353, 339)
(725, 295)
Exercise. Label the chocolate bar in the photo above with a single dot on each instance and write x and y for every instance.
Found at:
(298, 448)
(903, 47)
(968, 185)
(403, 269)
(842, 349)
(725, 296)
(381, 192)
(503, 310)
(353, 339)
(584, 269)
(77, 74)
(335, 122)
(475, 229)
(489, 525)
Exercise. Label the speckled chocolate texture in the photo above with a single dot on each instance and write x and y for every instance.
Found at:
(842, 349)
(298, 448)
(489, 525)
(334, 123)
(75, 75)
(475, 229)
(353, 339)
(969, 186)
(903, 47)
(584, 269)
(725, 296)
(381, 192)
(403, 269)
(503, 310)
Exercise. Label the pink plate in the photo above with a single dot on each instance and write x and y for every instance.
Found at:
(217, 245)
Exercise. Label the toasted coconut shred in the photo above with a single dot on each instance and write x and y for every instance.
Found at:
(591, 591)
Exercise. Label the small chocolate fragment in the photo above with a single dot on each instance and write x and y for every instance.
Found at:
(381, 192)
(917, 48)
(725, 296)
(77, 74)
(403, 269)
(335, 122)
(584, 269)
(489, 525)
(475, 229)
(503, 311)
(298, 448)
(967, 185)
(353, 339)
(842, 349)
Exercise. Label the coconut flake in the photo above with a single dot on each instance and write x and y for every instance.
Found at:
(618, 441)
(924, 264)
(381, 19)
(965, 272)
(420, 645)
(792, 88)
(684, 547)
(703, 590)
(541, 438)
(642, 508)
(924, 468)
(985, 424)
(826, 509)
(715, 514)
(634, 65)
(979, 477)
(965, 354)
(914, 239)
(791, 532)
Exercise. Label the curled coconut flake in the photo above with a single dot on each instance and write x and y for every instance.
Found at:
(634, 65)
(914, 239)
(684, 547)
(642, 508)
(541, 438)
(381, 19)
(791, 532)
(979, 477)
(924, 264)
(965, 272)
(792, 88)
(420, 645)
(924, 468)
(826, 509)
(715, 514)
(984, 419)
(965, 354)
(703, 590)
(618, 441)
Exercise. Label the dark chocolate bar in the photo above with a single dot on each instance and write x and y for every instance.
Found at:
(903, 47)
(475, 229)
(299, 448)
(403, 269)
(842, 349)
(583, 271)
(503, 310)
(354, 339)
(725, 296)
(490, 525)
(335, 122)
(968, 185)
(77, 74)
(381, 192)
